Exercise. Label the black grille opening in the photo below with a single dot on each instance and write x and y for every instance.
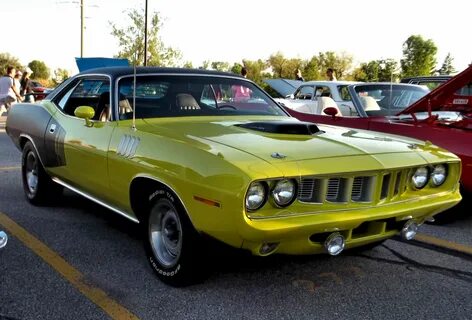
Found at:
(319, 237)
(310, 191)
(385, 186)
(398, 180)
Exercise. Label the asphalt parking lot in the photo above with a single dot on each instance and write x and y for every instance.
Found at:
(76, 260)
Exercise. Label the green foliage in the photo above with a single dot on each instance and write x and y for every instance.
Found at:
(447, 67)
(312, 69)
(419, 57)
(60, 75)
(255, 70)
(340, 63)
(236, 68)
(283, 67)
(376, 70)
(188, 65)
(40, 70)
(131, 41)
(7, 60)
(220, 66)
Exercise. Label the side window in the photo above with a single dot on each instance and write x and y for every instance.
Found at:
(93, 93)
(304, 93)
(323, 91)
(344, 93)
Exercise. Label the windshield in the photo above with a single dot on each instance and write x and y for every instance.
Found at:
(388, 99)
(173, 96)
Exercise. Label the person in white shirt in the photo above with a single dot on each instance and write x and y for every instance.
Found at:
(17, 82)
(330, 74)
(8, 92)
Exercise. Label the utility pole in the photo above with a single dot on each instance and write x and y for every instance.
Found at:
(145, 32)
(81, 28)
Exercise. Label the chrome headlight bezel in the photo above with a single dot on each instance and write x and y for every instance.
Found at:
(254, 188)
(420, 178)
(438, 170)
(281, 186)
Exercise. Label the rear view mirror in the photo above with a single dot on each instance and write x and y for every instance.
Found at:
(3, 239)
(85, 112)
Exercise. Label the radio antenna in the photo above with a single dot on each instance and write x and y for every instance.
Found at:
(133, 126)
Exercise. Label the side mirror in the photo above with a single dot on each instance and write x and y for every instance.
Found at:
(290, 96)
(330, 111)
(3, 239)
(85, 112)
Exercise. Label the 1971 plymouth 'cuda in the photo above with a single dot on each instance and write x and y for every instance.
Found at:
(188, 153)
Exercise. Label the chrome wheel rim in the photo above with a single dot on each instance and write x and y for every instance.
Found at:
(31, 172)
(165, 233)
(3, 239)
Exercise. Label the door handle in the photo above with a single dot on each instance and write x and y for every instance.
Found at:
(52, 128)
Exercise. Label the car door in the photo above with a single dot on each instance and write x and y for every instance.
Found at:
(81, 146)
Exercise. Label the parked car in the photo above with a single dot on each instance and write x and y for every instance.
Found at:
(39, 91)
(179, 152)
(442, 116)
(311, 96)
(432, 82)
(3, 239)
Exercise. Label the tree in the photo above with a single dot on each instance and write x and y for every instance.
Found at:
(131, 41)
(419, 57)
(220, 66)
(376, 70)
(255, 69)
(278, 63)
(60, 75)
(7, 60)
(312, 69)
(40, 70)
(447, 67)
(341, 63)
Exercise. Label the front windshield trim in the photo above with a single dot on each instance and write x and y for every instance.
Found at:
(261, 92)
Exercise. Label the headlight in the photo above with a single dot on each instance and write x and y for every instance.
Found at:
(420, 177)
(256, 196)
(439, 174)
(283, 192)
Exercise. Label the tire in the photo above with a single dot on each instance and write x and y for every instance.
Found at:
(172, 245)
(38, 187)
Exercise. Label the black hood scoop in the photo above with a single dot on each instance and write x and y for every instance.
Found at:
(282, 127)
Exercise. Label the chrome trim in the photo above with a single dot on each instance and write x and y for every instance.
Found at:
(86, 195)
(72, 80)
(296, 215)
(170, 188)
(116, 94)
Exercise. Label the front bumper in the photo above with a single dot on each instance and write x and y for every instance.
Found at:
(306, 234)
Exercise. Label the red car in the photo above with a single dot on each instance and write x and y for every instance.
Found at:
(442, 116)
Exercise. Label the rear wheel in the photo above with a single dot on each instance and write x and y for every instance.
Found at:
(37, 185)
(172, 244)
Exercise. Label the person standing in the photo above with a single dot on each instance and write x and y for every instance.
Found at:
(26, 87)
(330, 74)
(16, 82)
(8, 92)
(298, 75)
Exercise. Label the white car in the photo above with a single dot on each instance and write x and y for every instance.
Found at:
(315, 96)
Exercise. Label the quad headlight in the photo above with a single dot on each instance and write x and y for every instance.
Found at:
(256, 196)
(283, 192)
(438, 175)
(420, 177)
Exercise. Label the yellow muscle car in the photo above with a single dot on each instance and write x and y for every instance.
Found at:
(193, 153)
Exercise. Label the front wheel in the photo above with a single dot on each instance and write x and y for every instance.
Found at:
(173, 246)
(37, 185)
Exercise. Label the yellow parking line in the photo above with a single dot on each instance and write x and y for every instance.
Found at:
(10, 168)
(94, 294)
(421, 237)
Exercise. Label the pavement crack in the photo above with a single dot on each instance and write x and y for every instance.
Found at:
(405, 261)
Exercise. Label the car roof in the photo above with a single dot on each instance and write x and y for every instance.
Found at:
(120, 71)
(331, 82)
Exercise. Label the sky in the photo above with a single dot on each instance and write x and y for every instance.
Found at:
(221, 30)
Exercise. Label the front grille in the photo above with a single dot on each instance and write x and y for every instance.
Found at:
(376, 186)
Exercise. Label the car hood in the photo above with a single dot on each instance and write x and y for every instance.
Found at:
(444, 97)
(270, 140)
(284, 87)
